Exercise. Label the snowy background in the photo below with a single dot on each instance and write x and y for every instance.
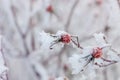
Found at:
(21, 22)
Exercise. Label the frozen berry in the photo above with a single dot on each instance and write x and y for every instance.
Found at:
(49, 8)
(65, 38)
(97, 53)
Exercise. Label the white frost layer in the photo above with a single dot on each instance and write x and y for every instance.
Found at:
(46, 40)
(59, 33)
(3, 68)
(62, 78)
(78, 63)
(99, 37)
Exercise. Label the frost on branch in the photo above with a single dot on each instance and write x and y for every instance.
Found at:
(45, 39)
(77, 63)
(3, 68)
(62, 78)
(92, 55)
(100, 40)
(60, 37)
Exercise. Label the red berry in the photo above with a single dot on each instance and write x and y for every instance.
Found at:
(65, 67)
(97, 53)
(66, 38)
(99, 2)
(49, 8)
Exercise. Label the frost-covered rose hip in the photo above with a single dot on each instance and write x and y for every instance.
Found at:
(66, 38)
(49, 8)
(97, 52)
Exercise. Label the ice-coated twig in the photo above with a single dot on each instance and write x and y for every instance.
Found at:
(77, 44)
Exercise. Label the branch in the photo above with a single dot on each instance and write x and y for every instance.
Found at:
(23, 36)
(67, 25)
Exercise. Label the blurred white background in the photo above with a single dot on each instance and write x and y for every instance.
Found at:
(22, 20)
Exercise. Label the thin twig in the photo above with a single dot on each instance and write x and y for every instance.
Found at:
(67, 25)
(118, 3)
(23, 36)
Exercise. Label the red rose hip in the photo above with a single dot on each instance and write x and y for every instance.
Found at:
(97, 53)
(65, 38)
(49, 8)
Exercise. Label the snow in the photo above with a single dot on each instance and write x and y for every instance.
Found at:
(62, 78)
(113, 56)
(59, 33)
(99, 37)
(75, 63)
(3, 68)
(45, 40)
(78, 63)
